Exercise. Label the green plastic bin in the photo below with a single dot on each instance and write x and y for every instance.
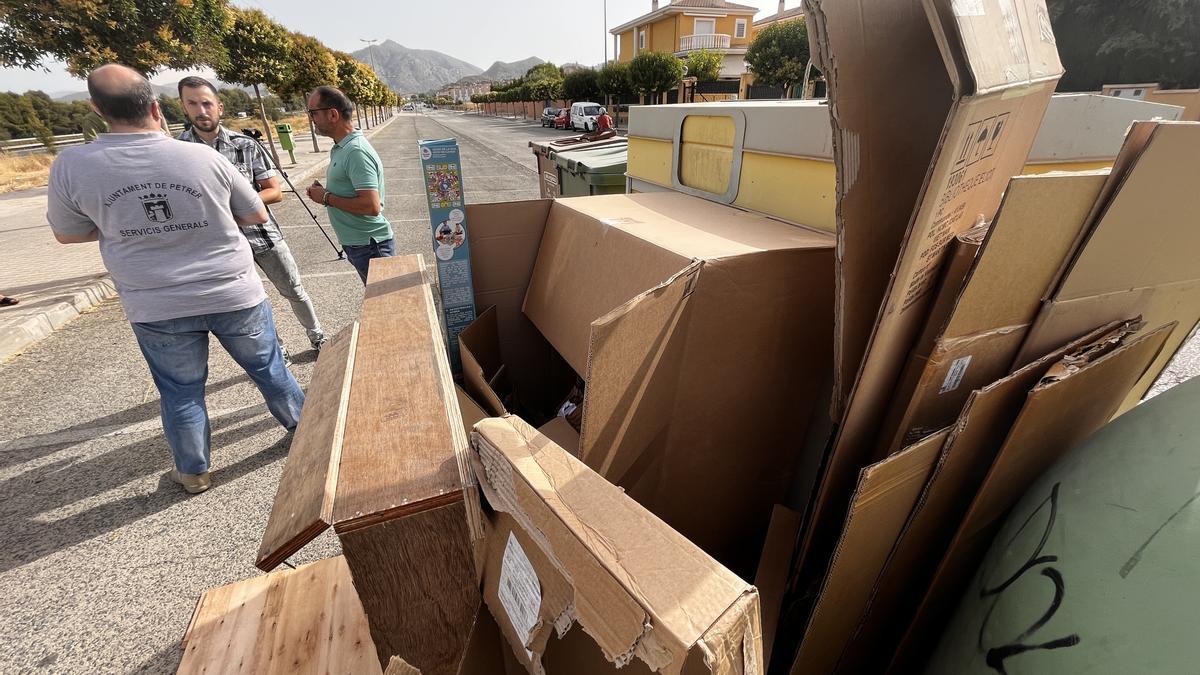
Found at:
(598, 171)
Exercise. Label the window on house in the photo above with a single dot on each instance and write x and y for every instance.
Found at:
(739, 29)
(705, 26)
(1137, 92)
(641, 39)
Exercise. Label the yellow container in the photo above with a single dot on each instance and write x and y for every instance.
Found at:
(776, 157)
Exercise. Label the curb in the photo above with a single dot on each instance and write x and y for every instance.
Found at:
(19, 334)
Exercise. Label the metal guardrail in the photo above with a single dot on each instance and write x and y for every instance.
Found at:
(33, 146)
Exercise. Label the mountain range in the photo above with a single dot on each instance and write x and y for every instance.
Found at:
(408, 71)
(414, 71)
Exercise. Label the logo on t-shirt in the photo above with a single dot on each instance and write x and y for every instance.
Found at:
(157, 207)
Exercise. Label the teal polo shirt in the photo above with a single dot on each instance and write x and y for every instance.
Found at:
(354, 165)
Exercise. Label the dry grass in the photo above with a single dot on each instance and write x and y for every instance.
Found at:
(299, 123)
(24, 172)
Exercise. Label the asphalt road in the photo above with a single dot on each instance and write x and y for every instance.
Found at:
(102, 559)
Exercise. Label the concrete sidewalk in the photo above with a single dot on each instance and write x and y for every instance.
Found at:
(56, 283)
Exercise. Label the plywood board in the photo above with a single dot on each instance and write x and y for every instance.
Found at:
(401, 452)
(306, 620)
(1068, 406)
(886, 494)
(416, 578)
(303, 505)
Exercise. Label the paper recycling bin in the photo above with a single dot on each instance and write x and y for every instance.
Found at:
(593, 171)
(548, 171)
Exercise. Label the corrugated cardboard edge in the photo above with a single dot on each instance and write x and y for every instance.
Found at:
(398, 666)
(450, 400)
(661, 652)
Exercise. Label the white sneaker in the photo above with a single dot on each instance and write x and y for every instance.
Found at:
(194, 483)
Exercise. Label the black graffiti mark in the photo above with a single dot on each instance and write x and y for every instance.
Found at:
(1137, 555)
(996, 656)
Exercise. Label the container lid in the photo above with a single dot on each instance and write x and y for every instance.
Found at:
(597, 160)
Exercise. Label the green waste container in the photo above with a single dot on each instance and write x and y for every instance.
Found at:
(597, 171)
(285, 139)
(549, 175)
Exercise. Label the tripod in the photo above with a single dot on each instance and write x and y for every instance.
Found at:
(257, 136)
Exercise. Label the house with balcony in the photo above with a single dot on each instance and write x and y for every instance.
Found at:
(684, 26)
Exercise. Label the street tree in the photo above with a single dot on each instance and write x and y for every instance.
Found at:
(310, 66)
(704, 65)
(145, 35)
(1113, 42)
(581, 85)
(778, 55)
(257, 52)
(613, 80)
(654, 73)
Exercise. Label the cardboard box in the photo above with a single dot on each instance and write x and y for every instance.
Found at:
(385, 466)
(702, 333)
(570, 548)
(935, 106)
(1137, 257)
(1075, 398)
(974, 342)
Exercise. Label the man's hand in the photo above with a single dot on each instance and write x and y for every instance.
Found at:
(316, 191)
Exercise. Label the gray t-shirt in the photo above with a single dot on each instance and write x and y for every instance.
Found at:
(165, 214)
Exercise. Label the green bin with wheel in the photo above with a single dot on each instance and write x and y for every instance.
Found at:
(595, 171)
(286, 141)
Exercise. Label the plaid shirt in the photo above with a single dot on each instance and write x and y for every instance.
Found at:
(252, 162)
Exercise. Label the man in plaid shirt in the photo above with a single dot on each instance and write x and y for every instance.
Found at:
(271, 252)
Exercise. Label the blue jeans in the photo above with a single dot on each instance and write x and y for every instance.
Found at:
(360, 256)
(177, 353)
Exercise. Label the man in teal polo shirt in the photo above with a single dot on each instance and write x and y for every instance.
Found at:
(354, 193)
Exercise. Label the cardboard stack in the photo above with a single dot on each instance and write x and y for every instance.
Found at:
(671, 394)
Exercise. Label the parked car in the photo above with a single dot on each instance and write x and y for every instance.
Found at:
(583, 115)
(563, 121)
(548, 115)
(408, 107)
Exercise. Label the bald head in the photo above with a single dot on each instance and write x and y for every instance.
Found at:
(120, 93)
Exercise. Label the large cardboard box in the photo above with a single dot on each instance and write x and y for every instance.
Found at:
(571, 553)
(702, 334)
(935, 105)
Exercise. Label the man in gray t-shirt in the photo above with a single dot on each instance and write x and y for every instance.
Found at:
(167, 215)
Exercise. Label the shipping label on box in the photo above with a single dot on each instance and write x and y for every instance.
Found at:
(442, 170)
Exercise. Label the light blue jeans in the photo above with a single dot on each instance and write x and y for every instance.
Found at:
(177, 353)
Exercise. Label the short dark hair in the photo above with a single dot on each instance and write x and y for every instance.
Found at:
(332, 97)
(193, 82)
(130, 104)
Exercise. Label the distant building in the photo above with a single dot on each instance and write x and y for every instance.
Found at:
(689, 25)
(780, 15)
(1188, 99)
(463, 91)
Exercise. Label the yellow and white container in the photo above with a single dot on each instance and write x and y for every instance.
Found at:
(776, 157)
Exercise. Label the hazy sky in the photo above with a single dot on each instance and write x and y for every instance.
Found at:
(476, 31)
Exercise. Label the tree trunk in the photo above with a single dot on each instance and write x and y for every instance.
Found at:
(262, 113)
(312, 131)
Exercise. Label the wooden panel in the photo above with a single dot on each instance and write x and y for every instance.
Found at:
(306, 620)
(416, 578)
(401, 453)
(303, 505)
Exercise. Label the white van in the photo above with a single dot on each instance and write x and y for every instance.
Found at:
(583, 116)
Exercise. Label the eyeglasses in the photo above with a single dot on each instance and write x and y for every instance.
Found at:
(313, 110)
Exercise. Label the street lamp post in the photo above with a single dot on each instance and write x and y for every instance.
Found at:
(374, 68)
(606, 32)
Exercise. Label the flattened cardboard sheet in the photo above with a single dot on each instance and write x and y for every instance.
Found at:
(1072, 401)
